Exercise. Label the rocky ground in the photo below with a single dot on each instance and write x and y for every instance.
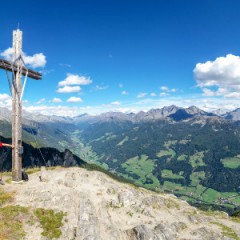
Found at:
(100, 208)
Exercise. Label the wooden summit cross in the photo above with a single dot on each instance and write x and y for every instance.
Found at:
(18, 68)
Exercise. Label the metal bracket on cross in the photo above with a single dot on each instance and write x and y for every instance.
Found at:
(20, 67)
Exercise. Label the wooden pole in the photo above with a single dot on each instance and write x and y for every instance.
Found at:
(17, 110)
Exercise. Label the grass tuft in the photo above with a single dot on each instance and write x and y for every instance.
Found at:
(171, 204)
(5, 197)
(227, 231)
(11, 222)
(32, 170)
(50, 222)
(235, 219)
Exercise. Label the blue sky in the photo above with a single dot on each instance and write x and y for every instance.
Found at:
(126, 55)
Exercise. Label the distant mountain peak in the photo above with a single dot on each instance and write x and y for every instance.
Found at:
(233, 115)
(194, 108)
(171, 108)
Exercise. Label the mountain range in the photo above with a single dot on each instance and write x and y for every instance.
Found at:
(186, 151)
(170, 112)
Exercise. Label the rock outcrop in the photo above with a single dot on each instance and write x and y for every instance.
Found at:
(99, 208)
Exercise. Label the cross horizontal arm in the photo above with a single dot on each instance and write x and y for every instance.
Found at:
(4, 64)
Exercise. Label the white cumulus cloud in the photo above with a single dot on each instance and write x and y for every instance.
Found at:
(7, 54)
(164, 88)
(5, 100)
(153, 94)
(208, 92)
(163, 94)
(4, 97)
(34, 61)
(72, 83)
(116, 103)
(42, 100)
(167, 89)
(220, 77)
(56, 100)
(69, 89)
(141, 95)
(74, 79)
(232, 95)
(74, 99)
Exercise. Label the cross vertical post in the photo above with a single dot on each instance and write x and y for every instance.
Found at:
(18, 68)
(17, 109)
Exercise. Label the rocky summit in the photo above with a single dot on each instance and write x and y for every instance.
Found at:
(96, 207)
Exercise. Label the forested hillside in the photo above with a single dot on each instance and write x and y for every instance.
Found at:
(199, 161)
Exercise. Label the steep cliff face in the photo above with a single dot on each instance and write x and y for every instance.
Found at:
(98, 207)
